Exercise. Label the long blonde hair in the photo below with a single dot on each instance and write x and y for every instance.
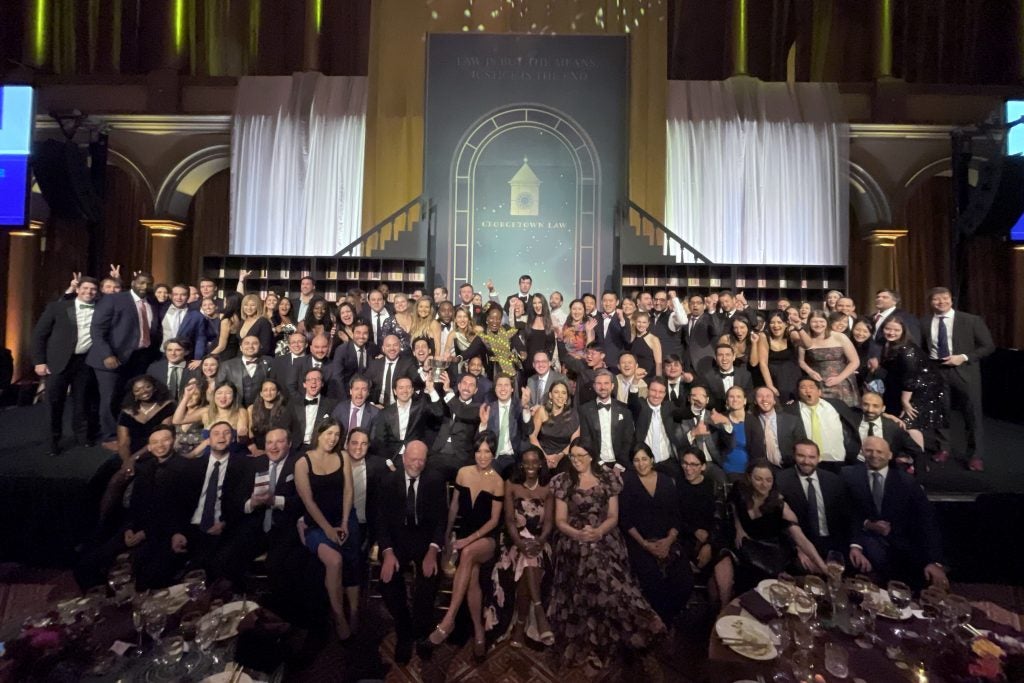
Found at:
(421, 327)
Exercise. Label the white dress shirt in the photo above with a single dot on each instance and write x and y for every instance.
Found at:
(172, 323)
(83, 320)
(359, 489)
(558, 317)
(933, 344)
(197, 516)
(864, 424)
(510, 414)
(607, 454)
(311, 409)
(883, 316)
(832, 446)
(149, 316)
(822, 521)
(403, 418)
(656, 437)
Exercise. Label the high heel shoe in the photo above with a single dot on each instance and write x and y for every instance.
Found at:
(425, 647)
(479, 651)
(546, 637)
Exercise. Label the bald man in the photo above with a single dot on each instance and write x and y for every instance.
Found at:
(894, 533)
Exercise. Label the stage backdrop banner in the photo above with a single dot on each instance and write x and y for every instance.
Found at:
(297, 164)
(525, 156)
(757, 172)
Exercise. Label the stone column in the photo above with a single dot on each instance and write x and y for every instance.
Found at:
(21, 289)
(882, 258)
(163, 242)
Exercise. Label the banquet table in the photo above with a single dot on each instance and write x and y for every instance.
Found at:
(865, 665)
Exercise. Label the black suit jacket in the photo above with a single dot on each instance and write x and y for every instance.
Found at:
(699, 344)
(55, 335)
(332, 386)
(898, 439)
(460, 423)
(905, 506)
(386, 438)
(970, 335)
(789, 430)
(232, 496)
(831, 494)
(285, 370)
(642, 415)
(405, 366)
(346, 361)
(410, 542)
(712, 380)
(158, 370)
(717, 441)
(155, 497)
(115, 329)
(722, 322)
(285, 517)
(614, 342)
(623, 431)
(297, 412)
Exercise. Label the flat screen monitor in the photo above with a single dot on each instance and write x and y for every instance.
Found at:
(16, 115)
(1015, 146)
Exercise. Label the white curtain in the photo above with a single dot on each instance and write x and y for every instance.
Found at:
(297, 164)
(757, 171)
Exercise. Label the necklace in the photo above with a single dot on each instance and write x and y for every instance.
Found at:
(147, 411)
(531, 488)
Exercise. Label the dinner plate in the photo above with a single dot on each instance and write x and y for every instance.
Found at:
(762, 590)
(225, 677)
(233, 613)
(178, 596)
(882, 597)
(758, 643)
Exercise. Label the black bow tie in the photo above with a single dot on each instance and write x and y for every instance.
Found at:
(446, 326)
(251, 362)
(604, 406)
(312, 401)
(727, 374)
(607, 316)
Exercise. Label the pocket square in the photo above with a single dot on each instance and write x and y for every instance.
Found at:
(620, 418)
(290, 477)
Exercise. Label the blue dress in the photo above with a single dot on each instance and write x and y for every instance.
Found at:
(736, 460)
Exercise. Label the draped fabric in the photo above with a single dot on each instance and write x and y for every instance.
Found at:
(297, 164)
(756, 171)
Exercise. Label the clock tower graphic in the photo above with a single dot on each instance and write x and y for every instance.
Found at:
(525, 188)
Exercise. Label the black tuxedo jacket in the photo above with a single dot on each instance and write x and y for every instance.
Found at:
(525, 298)
(671, 342)
(410, 542)
(115, 329)
(722, 322)
(155, 497)
(699, 344)
(623, 431)
(789, 430)
(158, 370)
(899, 441)
(459, 426)
(905, 506)
(970, 335)
(332, 386)
(346, 361)
(849, 420)
(285, 487)
(642, 415)
(831, 494)
(405, 366)
(297, 419)
(386, 439)
(614, 342)
(712, 380)
(55, 335)
(285, 370)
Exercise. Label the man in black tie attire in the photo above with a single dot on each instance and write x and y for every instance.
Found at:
(125, 340)
(354, 356)
(384, 372)
(894, 530)
(525, 283)
(586, 371)
(818, 499)
(726, 376)
(772, 434)
(957, 341)
(728, 303)
(874, 422)
(708, 432)
(376, 315)
(411, 537)
(285, 369)
(887, 303)
(309, 410)
(466, 293)
(505, 417)
(676, 384)
(657, 428)
(172, 370)
(460, 422)
(409, 418)
(60, 342)
(319, 359)
(698, 335)
(612, 331)
(606, 425)
(247, 370)
(666, 324)
(208, 290)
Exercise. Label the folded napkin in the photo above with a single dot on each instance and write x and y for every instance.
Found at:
(758, 607)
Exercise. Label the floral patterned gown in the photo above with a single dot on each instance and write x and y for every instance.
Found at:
(596, 607)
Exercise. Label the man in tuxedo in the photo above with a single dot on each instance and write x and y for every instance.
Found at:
(285, 369)
(125, 340)
(484, 386)
(172, 370)
(771, 434)
(827, 422)
(246, 371)
(666, 323)
(308, 410)
(728, 309)
(957, 341)
(873, 422)
(606, 425)
(445, 316)
(60, 341)
(894, 532)
(698, 335)
(525, 283)
(411, 537)
(542, 379)
(384, 372)
(656, 427)
(818, 499)
(612, 331)
(586, 371)
(408, 419)
(466, 293)
(356, 411)
(708, 432)
(376, 314)
(173, 313)
(847, 307)
(354, 356)
(460, 422)
(269, 513)
(589, 305)
(506, 418)
(726, 375)
(307, 291)
(318, 359)
(887, 303)
(675, 383)
(207, 290)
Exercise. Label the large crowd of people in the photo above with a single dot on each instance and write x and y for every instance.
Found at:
(581, 464)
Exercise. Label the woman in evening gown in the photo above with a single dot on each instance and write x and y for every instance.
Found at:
(555, 425)
(829, 358)
(781, 372)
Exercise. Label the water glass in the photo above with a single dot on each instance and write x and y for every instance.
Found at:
(172, 649)
(837, 661)
(781, 597)
(805, 607)
(156, 620)
(803, 637)
(120, 582)
(779, 634)
(195, 583)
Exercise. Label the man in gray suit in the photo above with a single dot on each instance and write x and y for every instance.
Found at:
(246, 371)
(957, 341)
(539, 383)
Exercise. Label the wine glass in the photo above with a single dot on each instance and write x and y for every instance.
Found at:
(195, 583)
(139, 619)
(172, 649)
(156, 620)
(855, 591)
(120, 579)
(957, 609)
(835, 564)
(781, 597)
(206, 633)
(805, 606)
